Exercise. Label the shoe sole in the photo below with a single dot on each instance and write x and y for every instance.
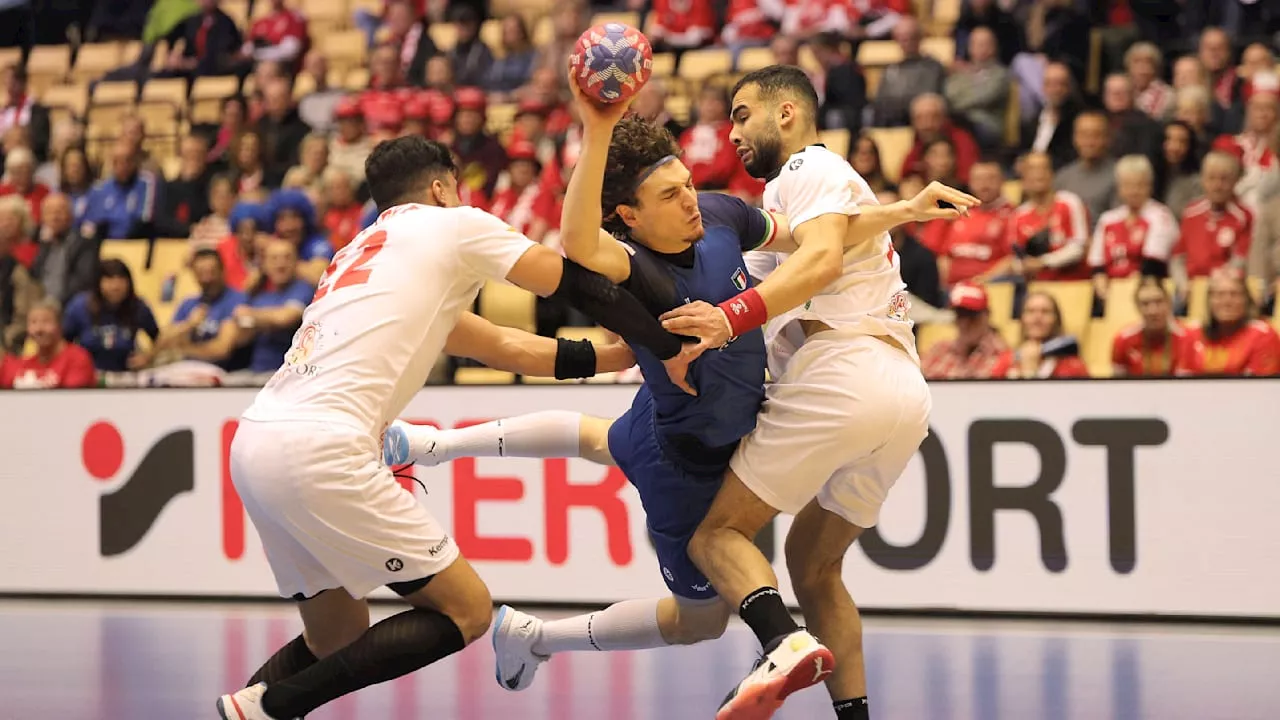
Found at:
(760, 702)
(224, 711)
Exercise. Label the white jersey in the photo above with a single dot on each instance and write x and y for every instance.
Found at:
(382, 313)
(869, 297)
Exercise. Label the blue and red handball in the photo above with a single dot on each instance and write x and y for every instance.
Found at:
(611, 62)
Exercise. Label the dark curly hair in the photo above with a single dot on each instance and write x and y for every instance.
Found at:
(636, 145)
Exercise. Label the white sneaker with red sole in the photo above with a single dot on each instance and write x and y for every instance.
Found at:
(794, 663)
(244, 705)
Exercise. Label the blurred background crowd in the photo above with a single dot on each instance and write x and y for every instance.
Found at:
(178, 173)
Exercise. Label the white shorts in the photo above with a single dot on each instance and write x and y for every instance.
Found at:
(329, 513)
(840, 425)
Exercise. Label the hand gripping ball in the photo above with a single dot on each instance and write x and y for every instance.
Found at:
(611, 62)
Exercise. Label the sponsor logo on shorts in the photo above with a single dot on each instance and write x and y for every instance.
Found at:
(165, 471)
(899, 306)
(704, 587)
(439, 547)
(395, 565)
(666, 573)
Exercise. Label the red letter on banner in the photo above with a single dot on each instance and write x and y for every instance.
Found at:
(232, 509)
(469, 490)
(561, 496)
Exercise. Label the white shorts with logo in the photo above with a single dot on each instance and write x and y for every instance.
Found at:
(329, 513)
(839, 425)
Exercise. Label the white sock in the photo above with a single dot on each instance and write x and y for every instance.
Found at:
(547, 434)
(630, 625)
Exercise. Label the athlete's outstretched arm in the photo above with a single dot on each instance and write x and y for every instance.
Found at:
(543, 272)
(517, 351)
(581, 236)
(822, 238)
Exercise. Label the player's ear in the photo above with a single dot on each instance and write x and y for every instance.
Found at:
(786, 113)
(628, 215)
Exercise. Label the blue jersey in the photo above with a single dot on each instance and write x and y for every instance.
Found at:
(220, 310)
(109, 340)
(703, 431)
(270, 347)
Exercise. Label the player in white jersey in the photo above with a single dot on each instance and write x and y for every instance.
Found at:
(849, 407)
(306, 459)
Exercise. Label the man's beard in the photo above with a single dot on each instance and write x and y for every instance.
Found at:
(766, 156)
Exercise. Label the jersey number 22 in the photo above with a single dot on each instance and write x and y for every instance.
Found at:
(346, 270)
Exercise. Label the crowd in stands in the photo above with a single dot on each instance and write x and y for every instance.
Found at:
(1126, 154)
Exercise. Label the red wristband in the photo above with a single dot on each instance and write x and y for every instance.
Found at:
(745, 311)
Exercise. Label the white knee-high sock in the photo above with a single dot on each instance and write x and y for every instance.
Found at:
(629, 625)
(547, 434)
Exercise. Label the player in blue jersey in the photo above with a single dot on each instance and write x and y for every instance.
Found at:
(667, 244)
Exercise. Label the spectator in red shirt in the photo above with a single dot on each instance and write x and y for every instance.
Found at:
(749, 23)
(280, 36)
(1233, 342)
(709, 155)
(978, 351)
(676, 25)
(350, 147)
(1158, 346)
(1137, 236)
(517, 204)
(342, 211)
(56, 363)
(1215, 55)
(975, 247)
(1216, 229)
(1145, 64)
(1050, 229)
(1253, 146)
(19, 179)
(1046, 351)
(929, 120)
(239, 250)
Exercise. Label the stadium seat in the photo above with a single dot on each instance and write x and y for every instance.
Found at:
(48, 65)
(324, 15)
(444, 35)
(837, 141)
(1121, 310)
(1075, 301)
(754, 59)
(491, 35)
(500, 117)
(1000, 302)
(698, 65)
(873, 76)
(482, 376)
(115, 93)
(207, 94)
(1012, 191)
(894, 144)
(664, 65)
(878, 53)
(942, 49)
(808, 61)
(509, 306)
(237, 10)
(357, 79)
(68, 99)
(680, 107)
(10, 56)
(941, 15)
(95, 60)
(624, 17)
(933, 333)
(1096, 353)
(1013, 117)
(345, 49)
(544, 31)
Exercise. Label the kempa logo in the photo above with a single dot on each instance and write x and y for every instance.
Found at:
(166, 470)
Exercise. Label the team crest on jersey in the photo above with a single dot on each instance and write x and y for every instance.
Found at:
(899, 306)
(739, 279)
(305, 343)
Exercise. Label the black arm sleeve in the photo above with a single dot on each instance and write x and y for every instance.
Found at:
(615, 309)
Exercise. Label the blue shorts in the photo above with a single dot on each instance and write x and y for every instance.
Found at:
(675, 500)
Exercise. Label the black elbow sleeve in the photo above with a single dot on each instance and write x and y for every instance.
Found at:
(615, 309)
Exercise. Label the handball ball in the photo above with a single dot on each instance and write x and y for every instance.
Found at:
(611, 62)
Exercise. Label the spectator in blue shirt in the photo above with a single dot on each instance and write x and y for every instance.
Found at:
(204, 327)
(275, 306)
(123, 205)
(292, 217)
(106, 320)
